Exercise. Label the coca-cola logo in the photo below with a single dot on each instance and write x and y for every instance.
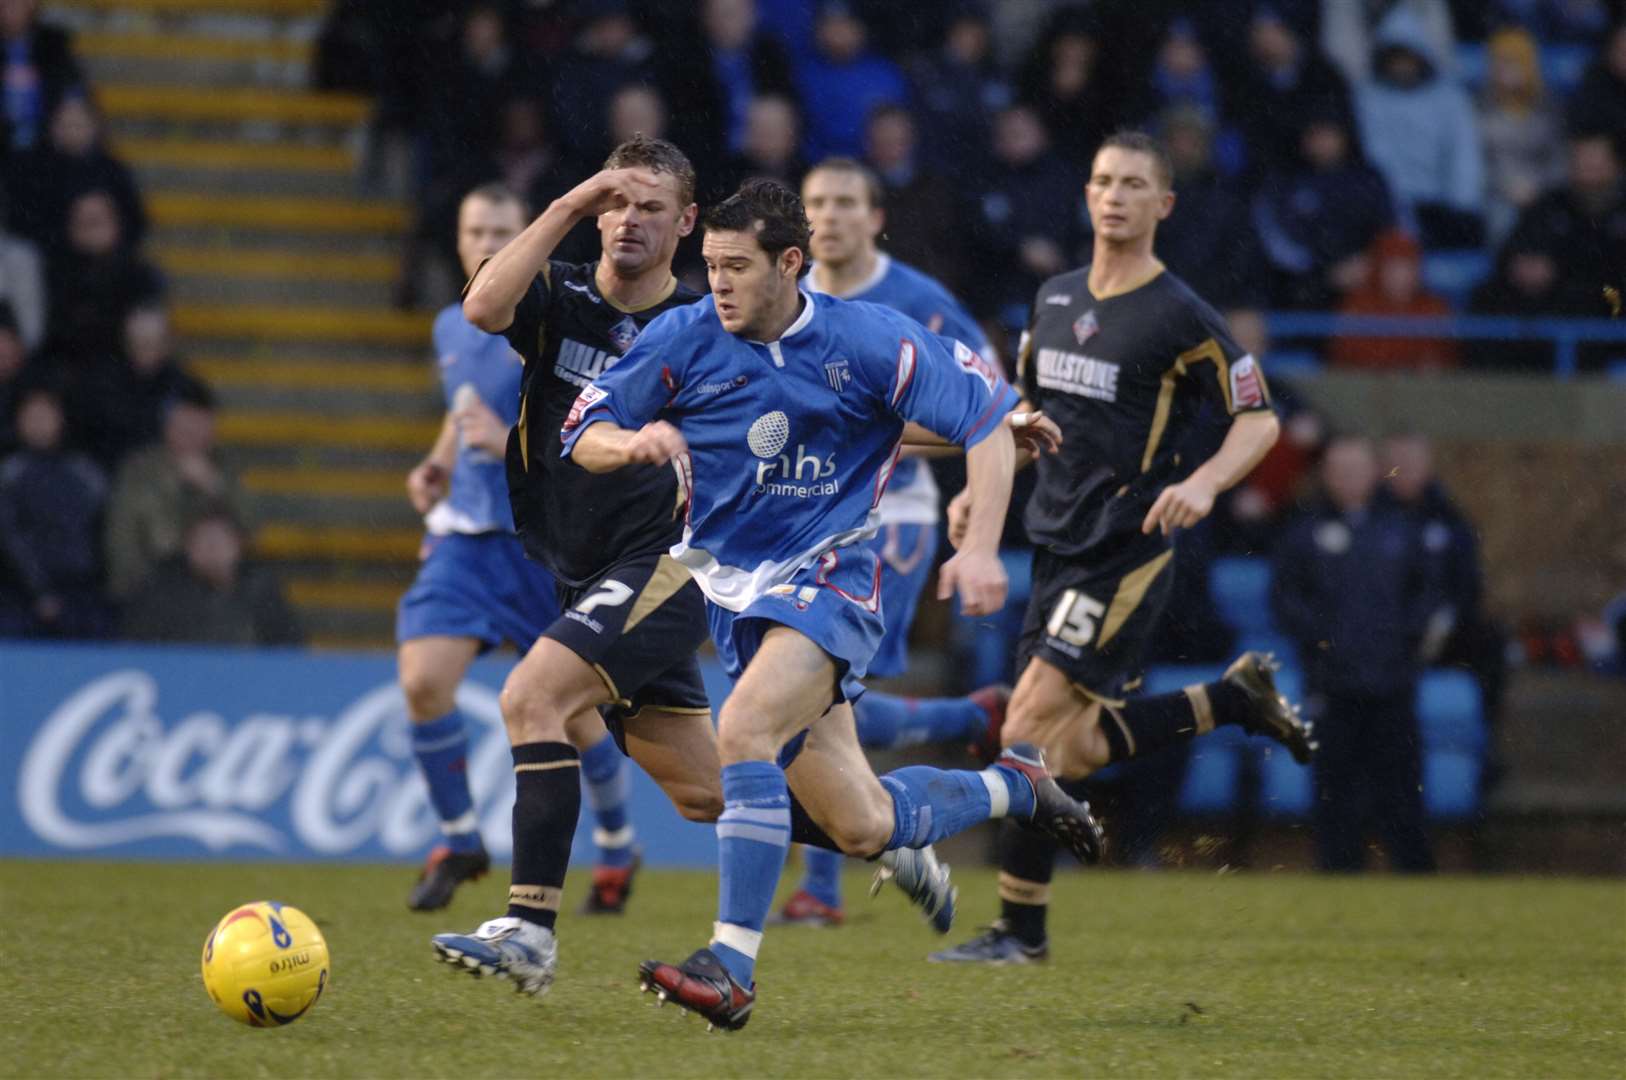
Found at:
(106, 768)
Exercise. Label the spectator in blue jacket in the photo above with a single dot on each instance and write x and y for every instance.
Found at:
(51, 501)
(957, 88)
(1314, 219)
(842, 83)
(1353, 588)
(1420, 129)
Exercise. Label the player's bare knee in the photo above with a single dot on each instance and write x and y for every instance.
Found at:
(742, 736)
(862, 832)
(428, 695)
(528, 713)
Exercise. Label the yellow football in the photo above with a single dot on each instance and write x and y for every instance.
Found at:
(265, 964)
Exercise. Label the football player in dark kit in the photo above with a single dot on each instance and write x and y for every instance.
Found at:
(633, 618)
(1121, 354)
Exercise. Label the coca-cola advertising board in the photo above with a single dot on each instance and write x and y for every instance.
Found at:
(254, 754)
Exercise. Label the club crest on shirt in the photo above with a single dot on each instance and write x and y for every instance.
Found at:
(838, 375)
(623, 334)
(1085, 326)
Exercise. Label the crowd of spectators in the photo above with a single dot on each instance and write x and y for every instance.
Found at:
(1325, 148)
(108, 467)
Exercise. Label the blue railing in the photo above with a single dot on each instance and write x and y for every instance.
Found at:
(1565, 335)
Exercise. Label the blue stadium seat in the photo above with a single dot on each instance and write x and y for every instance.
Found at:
(1167, 678)
(1471, 65)
(1450, 785)
(1455, 274)
(1240, 588)
(1293, 362)
(1563, 66)
(1286, 789)
(1450, 714)
(1213, 773)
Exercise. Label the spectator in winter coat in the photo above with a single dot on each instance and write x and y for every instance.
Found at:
(122, 409)
(1394, 286)
(74, 160)
(160, 489)
(709, 86)
(918, 201)
(1315, 220)
(1599, 103)
(51, 503)
(1210, 243)
(206, 596)
(1583, 223)
(1524, 155)
(1420, 131)
(1285, 85)
(1063, 81)
(95, 283)
(957, 89)
(842, 83)
(1352, 587)
(37, 68)
(1025, 225)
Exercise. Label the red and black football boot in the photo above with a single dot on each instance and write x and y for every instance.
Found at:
(702, 985)
(805, 909)
(611, 887)
(992, 700)
(443, 872)
(1055, 812)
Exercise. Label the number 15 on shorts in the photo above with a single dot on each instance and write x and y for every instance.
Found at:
(1074, 619)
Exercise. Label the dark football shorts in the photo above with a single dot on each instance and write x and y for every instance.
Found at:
(1095, 620)
(639, 624)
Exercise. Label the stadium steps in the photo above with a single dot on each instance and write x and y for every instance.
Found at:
(281, 275)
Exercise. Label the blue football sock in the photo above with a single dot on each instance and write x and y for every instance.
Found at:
(822, 875)
(929, 804)
(604, 783)
(752, 837)
(886, 721)
(442, 747)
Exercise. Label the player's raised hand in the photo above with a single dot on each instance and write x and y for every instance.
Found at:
(959, 516)
(979, 579)
(1179, 506)
(612, 189)
(655, 444)
(426, 486)
(1034, 432)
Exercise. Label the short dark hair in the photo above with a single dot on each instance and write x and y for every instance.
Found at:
(771, 211)
(656, 155)
(1141, 143)
(872, 183)
(497, 193)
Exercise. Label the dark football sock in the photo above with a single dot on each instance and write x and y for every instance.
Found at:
(1147, 724)
(804, 830)
(1026, 861)
(547, 802)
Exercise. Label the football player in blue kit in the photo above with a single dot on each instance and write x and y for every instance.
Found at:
(623, 652)
(843, 200)
(790, 410)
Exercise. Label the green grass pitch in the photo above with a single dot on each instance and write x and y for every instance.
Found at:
(1152, 974)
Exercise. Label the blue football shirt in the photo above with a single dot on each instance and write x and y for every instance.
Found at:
(911, 497)
(468, 356)
(791, 442)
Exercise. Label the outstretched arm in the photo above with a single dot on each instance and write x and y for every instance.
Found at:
(1182, 505)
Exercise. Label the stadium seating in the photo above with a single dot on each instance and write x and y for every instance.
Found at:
(1450, 715)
